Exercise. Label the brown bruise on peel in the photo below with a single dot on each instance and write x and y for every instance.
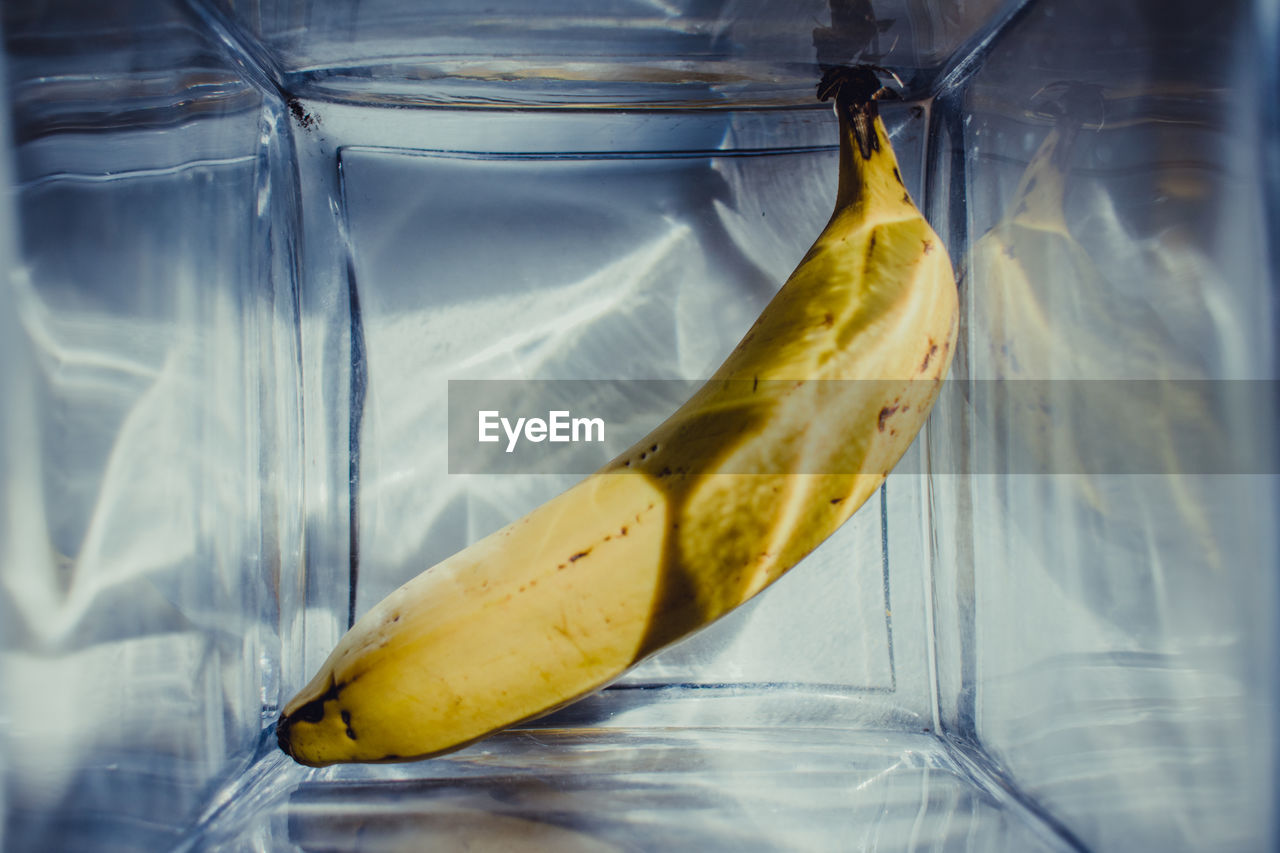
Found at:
(346, 721)
(573, 558)
(866, 260)
(644, 454)
(933, 349)
(885, 414)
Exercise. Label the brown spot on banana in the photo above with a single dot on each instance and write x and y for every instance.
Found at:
(885, 414)
(933, 348)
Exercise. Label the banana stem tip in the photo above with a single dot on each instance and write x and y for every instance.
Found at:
(856, 88)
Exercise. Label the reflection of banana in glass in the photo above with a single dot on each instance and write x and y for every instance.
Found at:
(1106, 390)
(1020, 272)
(692, 521)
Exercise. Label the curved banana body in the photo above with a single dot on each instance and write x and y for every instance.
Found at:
(754, 471)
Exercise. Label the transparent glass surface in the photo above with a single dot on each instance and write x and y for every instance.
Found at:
(152, 504)
(678, 53)
(715, 788)
(1108, 638)
(604, 264)
(247, 245)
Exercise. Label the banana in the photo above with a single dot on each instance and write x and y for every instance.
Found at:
(760, 465)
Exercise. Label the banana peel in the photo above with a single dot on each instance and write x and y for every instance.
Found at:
(797, 428)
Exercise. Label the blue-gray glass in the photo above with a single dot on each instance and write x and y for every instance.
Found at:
(153, 512)
(247, 245)
(1106, 633)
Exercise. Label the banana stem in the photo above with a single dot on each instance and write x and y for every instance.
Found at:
(863, 181)
(855, 89)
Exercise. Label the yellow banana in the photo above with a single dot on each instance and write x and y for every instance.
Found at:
(762, 464)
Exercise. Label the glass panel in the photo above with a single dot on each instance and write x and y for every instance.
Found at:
(1103, 635)
(152, 521)
(607, 264)
(224, 214)
(704, 53)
